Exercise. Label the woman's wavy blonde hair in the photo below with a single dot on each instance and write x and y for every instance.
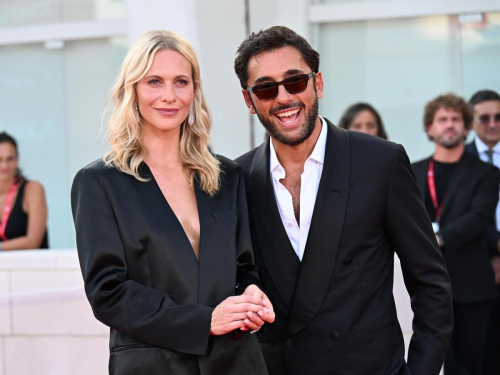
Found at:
(125, 129)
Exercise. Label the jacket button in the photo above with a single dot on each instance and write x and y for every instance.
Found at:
(335, 335)
(237, 335)
(288, 342)
(348, 261)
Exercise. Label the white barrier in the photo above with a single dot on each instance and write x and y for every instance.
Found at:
(47, 326)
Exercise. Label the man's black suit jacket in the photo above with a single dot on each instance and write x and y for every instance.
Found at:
(492, 233)
(469, 206)
(335, 310)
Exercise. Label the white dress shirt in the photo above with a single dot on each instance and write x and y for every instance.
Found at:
(481, 150)
(309, 183)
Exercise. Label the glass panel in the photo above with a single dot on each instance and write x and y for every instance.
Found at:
(480, 43)
(34, 12)
(52, 102)
(395, 65)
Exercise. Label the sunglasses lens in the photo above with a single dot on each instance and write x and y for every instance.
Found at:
(485, 119)
(296, 84)
(266, 91)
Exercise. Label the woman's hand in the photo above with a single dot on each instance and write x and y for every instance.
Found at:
(266, 315)
(232, 313)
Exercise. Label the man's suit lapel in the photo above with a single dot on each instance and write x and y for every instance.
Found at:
(461, 170)
(325, 232)
(472, 149)
(277, 252)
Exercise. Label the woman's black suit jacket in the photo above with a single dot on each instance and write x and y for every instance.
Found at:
(143, 280)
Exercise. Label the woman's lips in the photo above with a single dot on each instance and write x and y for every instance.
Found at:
(167, 111)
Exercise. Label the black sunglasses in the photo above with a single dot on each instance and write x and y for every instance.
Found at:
(293, 85)
(485, 119)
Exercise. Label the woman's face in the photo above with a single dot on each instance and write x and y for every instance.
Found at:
(166, 92)
(365, 122)
(8, 161)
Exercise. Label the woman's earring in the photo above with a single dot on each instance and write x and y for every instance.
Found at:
(191, 115)
(137, 109)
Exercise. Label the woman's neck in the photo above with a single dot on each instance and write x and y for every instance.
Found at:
(6, 184)
(162, 147)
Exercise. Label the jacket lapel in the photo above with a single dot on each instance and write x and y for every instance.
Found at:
(325, 232)
(461, 170)
(276, 250)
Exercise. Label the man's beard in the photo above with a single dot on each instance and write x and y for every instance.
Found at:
(449, 143)
(305, 131)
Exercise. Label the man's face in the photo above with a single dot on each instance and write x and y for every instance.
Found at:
(447, 129)
(289, 118)
(487, 122)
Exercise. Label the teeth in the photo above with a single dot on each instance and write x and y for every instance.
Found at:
(287, 114)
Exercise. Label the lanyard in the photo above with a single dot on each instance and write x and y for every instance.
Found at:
(7, 209)
(432, 190)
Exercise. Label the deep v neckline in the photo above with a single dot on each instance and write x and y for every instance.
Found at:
(197, 198)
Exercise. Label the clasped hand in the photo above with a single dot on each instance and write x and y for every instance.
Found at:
(248, 311)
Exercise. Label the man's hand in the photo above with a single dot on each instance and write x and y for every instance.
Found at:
(495, 263)
(266, 315)
(232, 313)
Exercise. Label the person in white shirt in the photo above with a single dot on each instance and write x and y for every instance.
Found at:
(486, 146)
(328, 209)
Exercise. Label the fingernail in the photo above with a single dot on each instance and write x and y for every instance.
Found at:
(260, 313)
(264, 302)
(247, 321)
(249, 314)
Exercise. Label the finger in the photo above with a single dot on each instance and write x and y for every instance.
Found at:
(246, 298)
(269, 316)
(255, 318)
(245, 307)
(267, 303)
(249, 324)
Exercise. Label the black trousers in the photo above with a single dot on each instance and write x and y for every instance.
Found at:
(468, 351)
(493, 350)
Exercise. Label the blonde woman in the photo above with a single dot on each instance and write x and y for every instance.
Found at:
(162, 229)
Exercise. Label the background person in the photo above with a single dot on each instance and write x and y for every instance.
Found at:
(23, 210)
(362, 117)
(460, 193)
(162, 227)
(486, 146)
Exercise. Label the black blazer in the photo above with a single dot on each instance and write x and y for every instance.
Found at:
(143, 280)
(335, 310)
(492, 233)
(469, 207)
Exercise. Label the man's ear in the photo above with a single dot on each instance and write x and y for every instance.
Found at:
(318, 83)
(428, 130)
(248, 101)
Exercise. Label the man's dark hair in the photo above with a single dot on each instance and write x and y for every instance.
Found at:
(451, 102)
(354, 110)
(270, 39)
(483, 96)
